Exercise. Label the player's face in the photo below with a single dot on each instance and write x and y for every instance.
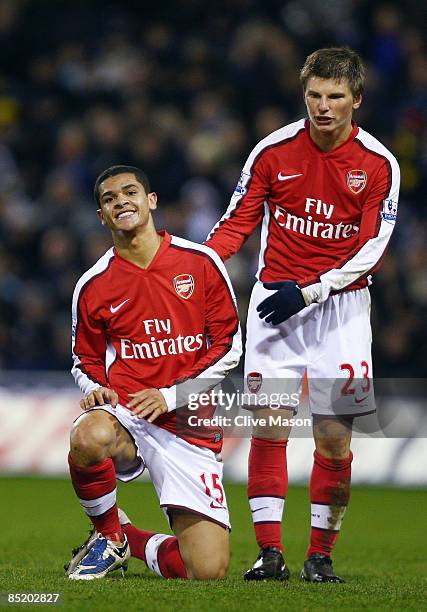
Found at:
(330, 104)
(124, 204)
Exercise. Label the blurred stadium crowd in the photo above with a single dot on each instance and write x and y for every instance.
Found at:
(184, 90)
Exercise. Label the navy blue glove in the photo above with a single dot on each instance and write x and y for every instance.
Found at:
(286, 302)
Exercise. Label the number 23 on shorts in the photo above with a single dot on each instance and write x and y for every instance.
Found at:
(364, 382)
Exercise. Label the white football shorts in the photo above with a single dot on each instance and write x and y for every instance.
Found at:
(185, 476)
(329, 341)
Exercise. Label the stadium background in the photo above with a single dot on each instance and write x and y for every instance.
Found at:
(184, 92)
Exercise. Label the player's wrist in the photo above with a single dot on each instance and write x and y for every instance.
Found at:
(312, 293)
(169, 395)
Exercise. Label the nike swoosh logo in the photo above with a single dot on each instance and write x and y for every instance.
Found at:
(362, 399)
(258, 509)
(122, 551)
(286, 177)
(114, 309)
(216, 507)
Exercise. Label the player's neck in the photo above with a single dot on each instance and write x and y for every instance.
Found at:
(140, 247)
(331, 140)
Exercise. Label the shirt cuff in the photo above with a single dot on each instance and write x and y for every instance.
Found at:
(169, 393)
(312, 293)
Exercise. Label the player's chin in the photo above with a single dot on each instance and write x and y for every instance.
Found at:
(125, 225)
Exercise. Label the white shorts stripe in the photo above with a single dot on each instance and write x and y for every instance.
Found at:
(151, 550)
(327, 517)
(95, 507)
(267, 509)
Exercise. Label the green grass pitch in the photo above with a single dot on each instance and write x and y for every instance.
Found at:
(381, 553)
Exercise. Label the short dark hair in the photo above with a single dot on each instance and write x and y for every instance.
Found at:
(113, 171)
(336, 63)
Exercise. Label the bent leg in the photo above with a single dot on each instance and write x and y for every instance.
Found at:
(97, 435)
(98, 443)
(204, 546)
(199, 550)
(159, 551)
(188, 482)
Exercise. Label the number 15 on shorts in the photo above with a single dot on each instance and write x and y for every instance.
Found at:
(212, 484)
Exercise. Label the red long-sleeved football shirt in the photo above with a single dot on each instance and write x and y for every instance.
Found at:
(157, 327)
(326, 216)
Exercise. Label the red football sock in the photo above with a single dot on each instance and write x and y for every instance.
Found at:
(329, 494)
(159, 552)
(95, 487)
(137, 539)
(267, 488)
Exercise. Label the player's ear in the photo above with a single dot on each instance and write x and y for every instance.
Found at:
(152, 200)
(357, 101)
(101, 216)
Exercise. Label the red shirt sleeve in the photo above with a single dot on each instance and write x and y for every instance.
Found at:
(245, 211)
(89, 347)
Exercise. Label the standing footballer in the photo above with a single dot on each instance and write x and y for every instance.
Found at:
(154, 312)
(326, 194)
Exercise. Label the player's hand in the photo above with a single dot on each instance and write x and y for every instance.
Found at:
(147, 403)
(99, 397)
(285, 302)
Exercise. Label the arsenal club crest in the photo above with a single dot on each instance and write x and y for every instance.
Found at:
(356, 180)
(254, 380)
(184, 285)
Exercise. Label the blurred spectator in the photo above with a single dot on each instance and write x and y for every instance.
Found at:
(185, 97)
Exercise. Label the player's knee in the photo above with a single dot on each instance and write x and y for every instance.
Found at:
(333, 448)
(271, 432)
(91, 437)
(332, 437)
(209, 569)
(209, 573)
(266, 425)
